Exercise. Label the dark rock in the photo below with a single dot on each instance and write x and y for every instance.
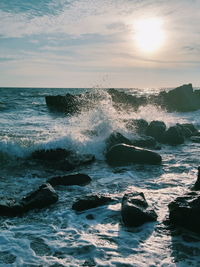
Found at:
(81, 159)
(156, 129)
(68, 103)
(137, 125)
(185, 211)
(186, 132)
(173, 136)
(181, 99)
(124, 154)
(195, 139)
(122, 100)
(189, 126)
(50, 154)
(116, 138)
(145, 141)
(135, 211)
(10, 208)
(73, 179)
(91, 201)
(44, 196)
(196, 186)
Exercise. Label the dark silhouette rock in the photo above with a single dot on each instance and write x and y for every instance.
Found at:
(135, 211)
(196, 186)
(116, 138)
(137, 125)
(156, 129)
(73, 179)
(145, 141)
(44, 196)
(173, 136)
(125, 154)
(81, 159)
(185, 212)
(181, 99)
(91, 201)
(50, 154)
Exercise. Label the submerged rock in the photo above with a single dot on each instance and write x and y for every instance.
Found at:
(44, 196)
(173, 136)
(185, 211)
(135, 211)
(156, 129)
(91, 201)
(195, 139)
(67, 180)
(125, 154)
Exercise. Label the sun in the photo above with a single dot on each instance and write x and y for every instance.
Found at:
(149, 35)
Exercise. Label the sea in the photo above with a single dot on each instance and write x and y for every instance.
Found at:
(58, 236)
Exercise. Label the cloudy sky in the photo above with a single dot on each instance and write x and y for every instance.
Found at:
(89, 43)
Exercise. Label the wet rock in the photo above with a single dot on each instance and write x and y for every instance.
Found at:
(50, 154)
(44, 196)
(145, 141)
(196, 186)
(73, 179)
(156, 129)
(116, 138)
(173, 136)
(137, 125)
(125, 154)
(91, 201)
(135, 211)
(185, 211)
(81, 159)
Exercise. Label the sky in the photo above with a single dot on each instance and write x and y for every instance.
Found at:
(99, 43)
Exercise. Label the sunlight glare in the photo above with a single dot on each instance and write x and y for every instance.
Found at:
(149, 34)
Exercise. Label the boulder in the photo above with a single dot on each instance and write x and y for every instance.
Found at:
(190, 127)
(91, 201)
(135, 211)
(145, 141)
(156, 129)
(116, 138)
(68, 180)
(173, 136)
(185, 211)
(137, 125)
(196, 186)
(125, 154)
(44, 196)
